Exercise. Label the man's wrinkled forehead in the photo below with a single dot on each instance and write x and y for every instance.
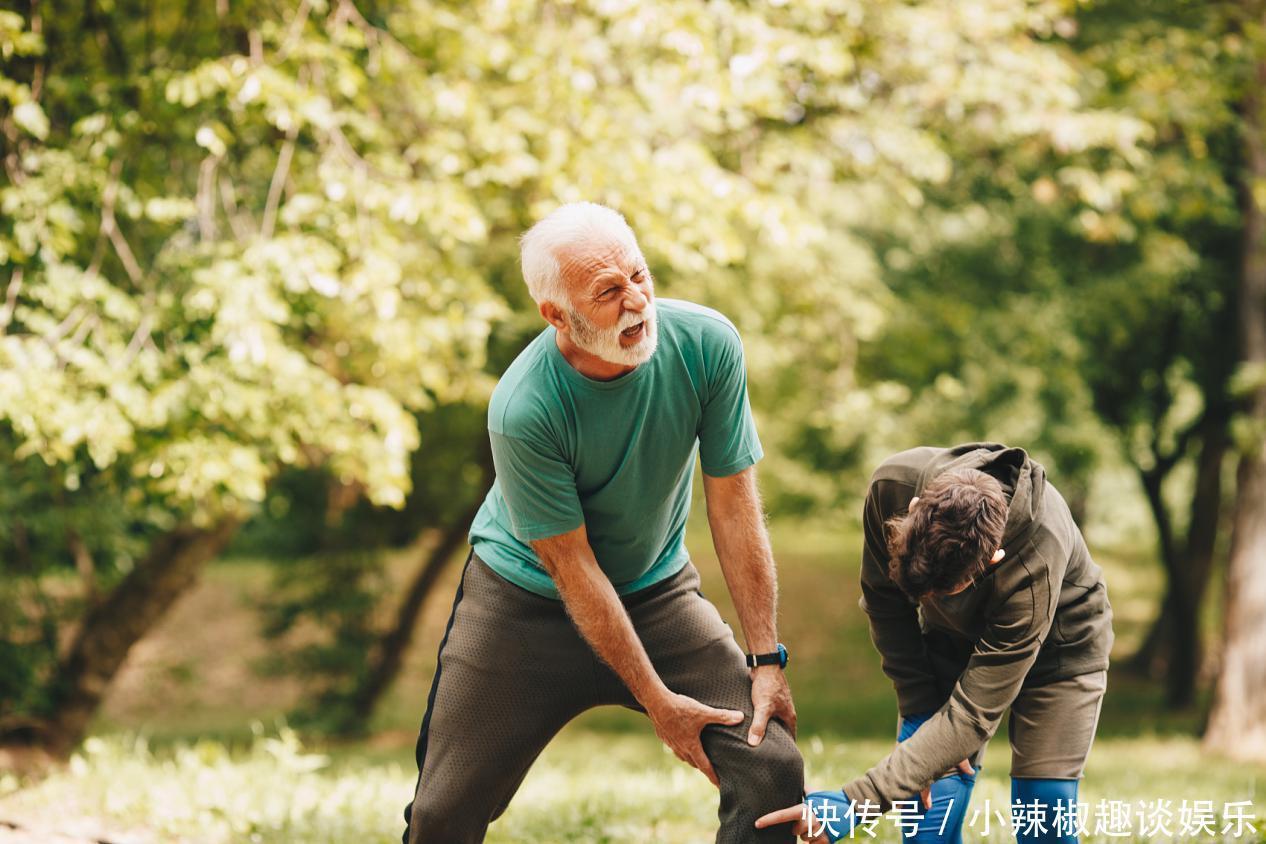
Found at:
(584, 263)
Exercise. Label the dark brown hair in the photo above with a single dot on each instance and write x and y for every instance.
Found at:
(950, 536)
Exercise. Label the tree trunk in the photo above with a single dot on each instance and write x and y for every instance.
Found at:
(1201, 547)
(1237, 723)
(388, 657)
(1195, 566)
(113, 625)
(1173, 647)
(1153, 657)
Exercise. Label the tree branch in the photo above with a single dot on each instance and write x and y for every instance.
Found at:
(37, 29)
(110, 230)
(294, 30)
(278, 182)
(205, 198)
(121, 248)
(1165, 461)
(72, 318)
(82, 331)
(11, 299)
(228, 200)
(138, 341)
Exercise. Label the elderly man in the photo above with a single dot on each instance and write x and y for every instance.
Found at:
(579, 591)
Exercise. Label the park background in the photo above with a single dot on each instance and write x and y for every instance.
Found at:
(258, 274)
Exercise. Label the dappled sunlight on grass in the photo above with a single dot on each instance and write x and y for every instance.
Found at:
(587, 787)
(275, 790)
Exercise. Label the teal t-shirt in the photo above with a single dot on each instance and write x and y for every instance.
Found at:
(616, 456)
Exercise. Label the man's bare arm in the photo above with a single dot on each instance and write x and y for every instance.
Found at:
(595, 608)
(747, 562)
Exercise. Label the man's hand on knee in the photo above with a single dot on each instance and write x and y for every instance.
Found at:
(679, 720)
(771, 698)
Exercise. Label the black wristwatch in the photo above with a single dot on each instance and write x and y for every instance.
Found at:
(778, 657)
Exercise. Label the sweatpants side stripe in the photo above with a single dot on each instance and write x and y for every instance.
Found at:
(424, 733)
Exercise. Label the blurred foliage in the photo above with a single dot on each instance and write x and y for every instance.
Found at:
(254, 251)
(219, 249)
(214, 271)
(1083, 304)
(321, 616)
(1051, 301)
(310, 511)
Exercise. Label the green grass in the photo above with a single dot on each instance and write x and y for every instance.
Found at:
(588, 786)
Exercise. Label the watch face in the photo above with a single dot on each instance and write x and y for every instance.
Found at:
(782, 656)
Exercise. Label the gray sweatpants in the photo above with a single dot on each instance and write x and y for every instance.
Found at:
(512, 670)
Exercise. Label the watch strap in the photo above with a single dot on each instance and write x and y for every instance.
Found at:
(778, 657)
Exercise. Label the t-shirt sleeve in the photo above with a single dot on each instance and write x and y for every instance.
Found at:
(538, 485)
(727, 432)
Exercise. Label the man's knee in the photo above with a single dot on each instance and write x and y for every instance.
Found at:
(771, 771)
(756, 781)
(440, 818)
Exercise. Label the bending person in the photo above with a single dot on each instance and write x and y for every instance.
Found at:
(981, 596)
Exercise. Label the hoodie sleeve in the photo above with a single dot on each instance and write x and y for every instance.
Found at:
(1019, 621)
(894, 619)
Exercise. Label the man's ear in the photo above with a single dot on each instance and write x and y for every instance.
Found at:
(997, 557)
(553, 315)
(913, 501)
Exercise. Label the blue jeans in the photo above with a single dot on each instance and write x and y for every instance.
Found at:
(1037, 800)
(950, 795)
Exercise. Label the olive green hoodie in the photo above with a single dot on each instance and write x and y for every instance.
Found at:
(1040, 615)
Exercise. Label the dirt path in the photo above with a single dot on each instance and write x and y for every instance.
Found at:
(20, 833)
(22, 830)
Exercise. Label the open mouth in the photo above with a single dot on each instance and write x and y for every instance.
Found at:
(633, 330)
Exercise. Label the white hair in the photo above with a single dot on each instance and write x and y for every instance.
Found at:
(575, 224)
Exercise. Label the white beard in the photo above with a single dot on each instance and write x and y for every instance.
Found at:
(605, 342)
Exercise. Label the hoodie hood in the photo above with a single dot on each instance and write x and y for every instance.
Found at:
(1023, 480)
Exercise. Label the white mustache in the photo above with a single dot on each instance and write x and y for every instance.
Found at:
(630, 319)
